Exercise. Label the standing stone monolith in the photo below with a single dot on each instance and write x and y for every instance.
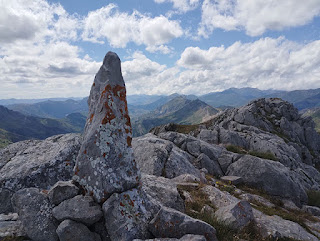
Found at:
(105, 163)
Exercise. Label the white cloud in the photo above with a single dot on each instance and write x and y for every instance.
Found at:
(36, 56)
(264, 64)
(44, 69)
(120, 28)
(35, 19)
(144, 76)
(256, 17)
(182, 5)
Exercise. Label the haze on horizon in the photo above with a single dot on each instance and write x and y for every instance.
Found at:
(51, 48)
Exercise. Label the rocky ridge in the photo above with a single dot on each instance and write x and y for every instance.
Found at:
(184, 190)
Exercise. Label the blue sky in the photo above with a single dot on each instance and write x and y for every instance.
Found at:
(52, 48)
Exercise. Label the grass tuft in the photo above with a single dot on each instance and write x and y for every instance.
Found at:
(236, 149)
(10, 238)
(313, 198)
(263, 155)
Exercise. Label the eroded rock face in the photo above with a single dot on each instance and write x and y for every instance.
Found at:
(38, 163)
(127, 215)
(173, 224)
(270, 176)
(79, 208)
(70, 230)
(61, 191)
(105, 163)
(35, 213)
(235, 215)
(164, 191)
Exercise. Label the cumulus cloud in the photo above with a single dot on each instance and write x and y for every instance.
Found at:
(182, 5)
(120, 28)
(144, 76)
(36, 56)
(264, 64)
(35, 19)
(256, 17)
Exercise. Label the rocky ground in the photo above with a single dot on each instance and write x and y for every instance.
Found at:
(250, 173)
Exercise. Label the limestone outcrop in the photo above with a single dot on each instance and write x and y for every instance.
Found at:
(105, 163)
(267, 150)
(35, 163)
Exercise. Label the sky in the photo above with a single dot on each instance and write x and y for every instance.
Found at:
(51, 48)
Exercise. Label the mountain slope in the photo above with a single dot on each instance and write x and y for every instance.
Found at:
(15, 126)
(234, 97)
(315, 115)
(179, 110)
(51, 109)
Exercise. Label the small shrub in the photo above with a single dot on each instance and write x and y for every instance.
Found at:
(313, 198)
(235, 149)
(263, 155)
(8, 238)
(186, 129)
(224, 187)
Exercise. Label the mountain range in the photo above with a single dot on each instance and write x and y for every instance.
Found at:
(15, 126)
(180, 110)
(45, 117)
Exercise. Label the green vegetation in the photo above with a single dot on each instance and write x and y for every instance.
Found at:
(225, 187)
(236, 149)
(313, 198)
(4, 143)
(182, 111)
(315, 115)
(224, 232)
(15, 126)
(186, 129)
(240, 150)
(14, 238)
(293, 215)
(264, 155)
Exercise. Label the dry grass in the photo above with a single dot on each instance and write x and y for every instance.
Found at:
(224, 232)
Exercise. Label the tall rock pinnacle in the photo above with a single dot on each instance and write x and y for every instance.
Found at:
(105, 163)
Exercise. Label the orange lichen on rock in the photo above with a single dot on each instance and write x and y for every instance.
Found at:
(91, 117)
(121, 90)
(129, 140)
(106, 89)
(109, 114)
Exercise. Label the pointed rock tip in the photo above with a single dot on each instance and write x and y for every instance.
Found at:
(110, 58)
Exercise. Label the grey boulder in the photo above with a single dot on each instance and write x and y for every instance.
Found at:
(127, 215)
(187, 237)
(10, 226)
(315, 211)
(151, 153)
(61, 191)
(79, 208)
(163, 190)
(276, 228)
(174, 224)
(70, 230)
(159, 157)
(237, 215)
(213, 167)
(5, 197)
(272, 177)
(35, 213)
(41, 163)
